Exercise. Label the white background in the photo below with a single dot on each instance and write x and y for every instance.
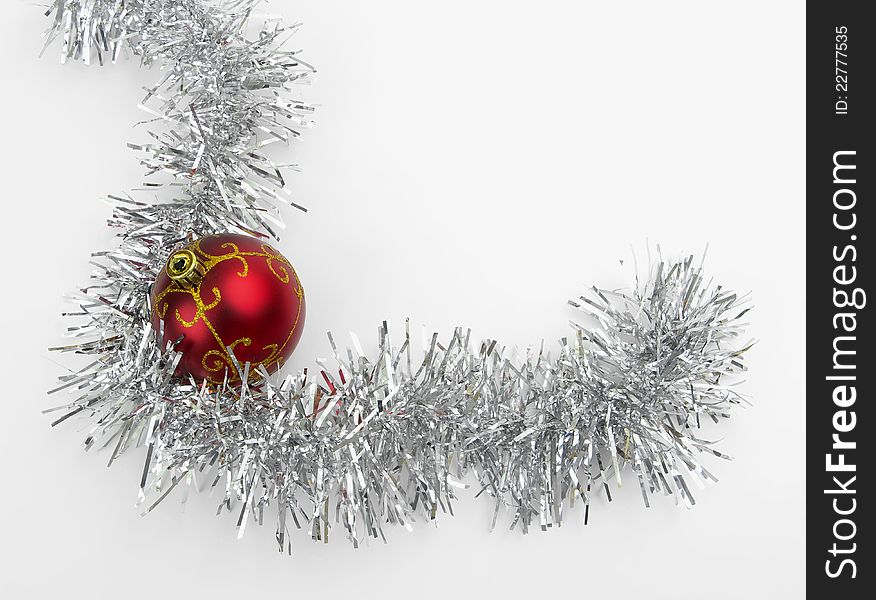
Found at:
(475, 163)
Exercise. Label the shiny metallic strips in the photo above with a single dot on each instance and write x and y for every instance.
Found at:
(369, 440)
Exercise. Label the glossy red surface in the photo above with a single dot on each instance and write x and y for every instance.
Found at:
(250, 299)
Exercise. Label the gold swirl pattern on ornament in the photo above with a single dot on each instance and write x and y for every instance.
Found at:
(217, 360)
(272, 256)
(200, 307)
(173, 287)
(215, 259)
(272, 355)
(221, 360)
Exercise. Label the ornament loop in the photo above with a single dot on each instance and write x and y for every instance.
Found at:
(185, 269)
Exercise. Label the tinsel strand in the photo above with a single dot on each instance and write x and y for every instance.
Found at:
(386, 438)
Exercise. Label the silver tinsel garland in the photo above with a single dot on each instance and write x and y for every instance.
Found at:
(381, 438)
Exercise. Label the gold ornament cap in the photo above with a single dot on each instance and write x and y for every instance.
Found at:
(185, 268)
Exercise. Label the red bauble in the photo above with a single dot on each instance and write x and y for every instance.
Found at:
(228, 291)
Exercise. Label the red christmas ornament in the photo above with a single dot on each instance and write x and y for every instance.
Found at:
(228, 291)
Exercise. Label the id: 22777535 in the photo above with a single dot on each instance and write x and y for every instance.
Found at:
(841, 74)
